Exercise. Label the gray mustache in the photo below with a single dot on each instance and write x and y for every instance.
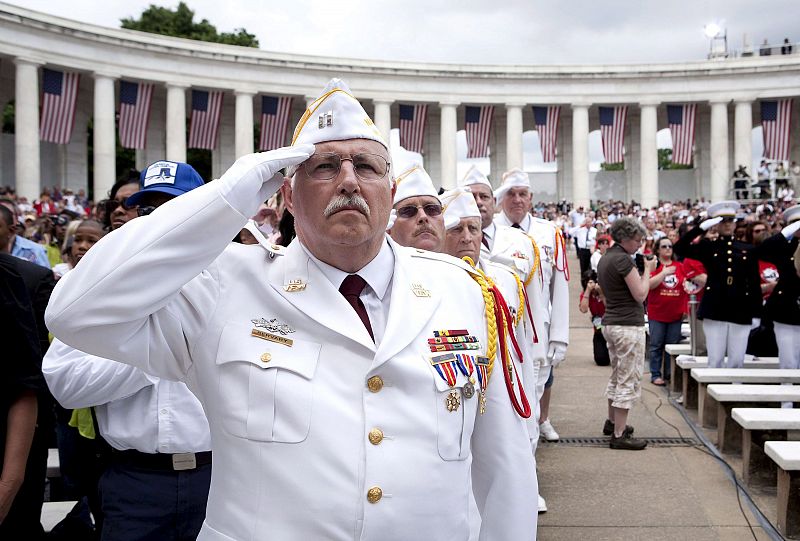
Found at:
(347, 201)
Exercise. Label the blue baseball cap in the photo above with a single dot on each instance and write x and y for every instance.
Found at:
(172, 178)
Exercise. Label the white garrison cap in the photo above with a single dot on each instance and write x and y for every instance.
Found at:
(515, 178)
(458, 203)
(792, 214)
(474, 176)
(726, 209)
(413, 182)
(335, 116)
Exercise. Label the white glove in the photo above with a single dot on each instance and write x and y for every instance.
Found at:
(711, 222)
(253, 178)
(790, 230)
(392, 218)
(556, 353)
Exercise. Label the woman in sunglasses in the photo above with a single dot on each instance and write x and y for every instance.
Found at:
(665, 307)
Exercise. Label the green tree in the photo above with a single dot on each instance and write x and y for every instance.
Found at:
(665, 160)
(180, 23)
(620, 166)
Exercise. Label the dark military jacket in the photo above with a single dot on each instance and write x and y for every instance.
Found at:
(733, 291)
(783, 305)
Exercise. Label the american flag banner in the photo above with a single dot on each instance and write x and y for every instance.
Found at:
(681, 127)
(546, 121)
(412, 126)
(776, 119)
(206, 109)
(59, 96)
(274, 121)
(478, 124)
(612, 132)
(134, 113)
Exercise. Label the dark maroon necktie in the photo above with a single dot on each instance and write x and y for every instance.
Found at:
(516, 226)
(485, 242)
(351, 288)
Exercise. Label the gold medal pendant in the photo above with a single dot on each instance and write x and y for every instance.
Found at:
(453, 401)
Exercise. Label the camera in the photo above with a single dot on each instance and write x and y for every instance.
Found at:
(639, 260)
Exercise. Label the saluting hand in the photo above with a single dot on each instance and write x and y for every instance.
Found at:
(709, 223)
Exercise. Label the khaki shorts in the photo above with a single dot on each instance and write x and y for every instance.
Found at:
(626, 350)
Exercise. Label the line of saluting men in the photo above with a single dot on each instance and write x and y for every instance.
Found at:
(353, 385)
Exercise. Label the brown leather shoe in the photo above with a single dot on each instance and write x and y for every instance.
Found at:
(627, 442)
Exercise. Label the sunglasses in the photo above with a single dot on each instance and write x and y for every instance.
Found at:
(409, 211)
(112, 205)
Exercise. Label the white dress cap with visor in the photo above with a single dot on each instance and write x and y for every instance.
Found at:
(792, 214)
(515, 178)
(724, 209)
(458, 203)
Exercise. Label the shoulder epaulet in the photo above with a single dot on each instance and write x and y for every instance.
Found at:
(444, 258)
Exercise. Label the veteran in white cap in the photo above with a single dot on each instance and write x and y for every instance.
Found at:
(732, 296)
(327, 369)
(417, 211)
(515, 200)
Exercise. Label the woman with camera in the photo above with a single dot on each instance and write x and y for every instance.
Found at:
(665, 308)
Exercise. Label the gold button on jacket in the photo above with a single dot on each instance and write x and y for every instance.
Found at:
(375, 436)
(374, 494)
(375, 384)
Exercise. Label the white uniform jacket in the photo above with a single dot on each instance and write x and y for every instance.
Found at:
(134, 410)
(516, 250)
(315, 433)
(555, 289)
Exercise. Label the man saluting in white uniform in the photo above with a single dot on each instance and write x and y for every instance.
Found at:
(323, 367)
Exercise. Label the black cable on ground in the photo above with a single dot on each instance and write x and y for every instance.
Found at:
(711, 450)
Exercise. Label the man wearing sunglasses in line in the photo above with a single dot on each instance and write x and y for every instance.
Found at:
(155, 485)
(328, 414)
(418, 211)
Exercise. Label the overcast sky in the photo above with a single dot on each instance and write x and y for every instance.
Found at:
(480, 32)
(476, 31)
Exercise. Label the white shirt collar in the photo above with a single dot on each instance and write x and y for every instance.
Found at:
(374, 273)
(489, 231)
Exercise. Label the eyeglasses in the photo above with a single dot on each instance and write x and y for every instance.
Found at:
(113, 204)
(367, 167)
(409, 211)
(666, 246)
(144, 211)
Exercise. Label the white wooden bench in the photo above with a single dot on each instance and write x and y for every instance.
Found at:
(723, 397)
(688, 386)
(706, 376)
(673, 350)
(758, 426)
(786, 455)
(54, 512)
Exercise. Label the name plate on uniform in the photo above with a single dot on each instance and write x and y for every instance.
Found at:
(271, 337)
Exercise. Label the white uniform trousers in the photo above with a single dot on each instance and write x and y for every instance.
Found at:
(788, 339)
(722, 337)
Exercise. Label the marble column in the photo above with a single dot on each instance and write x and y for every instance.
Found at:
(448, 157)
(514, 135)
(243, 124)
(176, 122)
(719, 151)
(104, 136)
(743, 136)
(383, 118)
(581, 192)
(27, 169)
(648, 175)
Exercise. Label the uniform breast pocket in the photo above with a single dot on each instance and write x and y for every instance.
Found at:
(455, 416)
(266, 389)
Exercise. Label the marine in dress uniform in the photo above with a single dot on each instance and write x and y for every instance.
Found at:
(732, 295)
(783, 305)
(315, 421)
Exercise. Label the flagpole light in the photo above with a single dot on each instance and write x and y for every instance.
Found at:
(718, 40)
